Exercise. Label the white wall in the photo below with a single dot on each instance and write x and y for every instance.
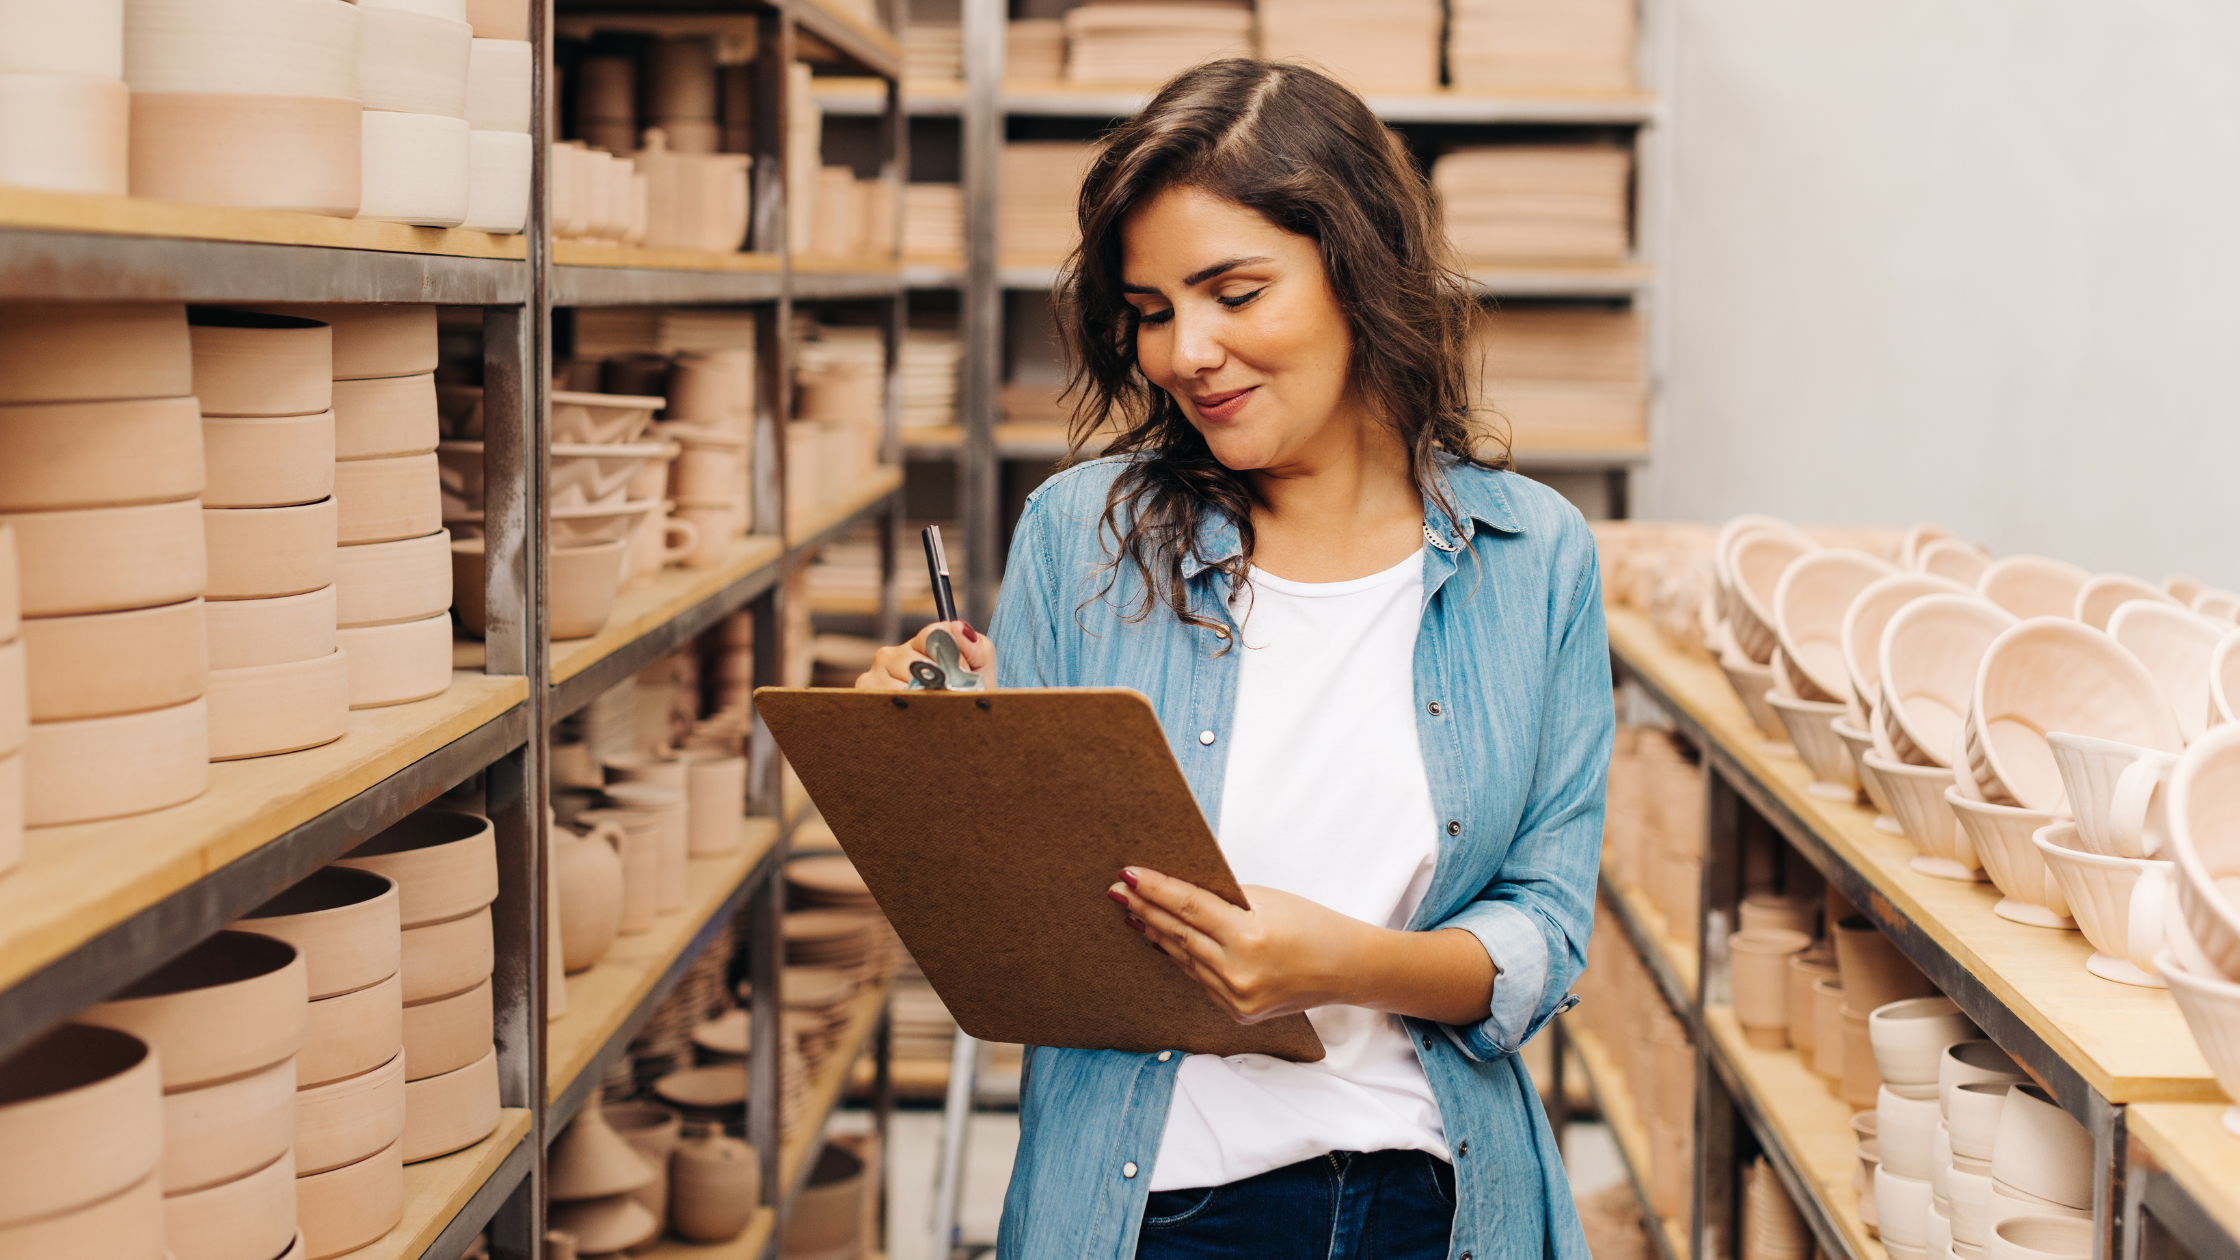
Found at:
(1970, 261)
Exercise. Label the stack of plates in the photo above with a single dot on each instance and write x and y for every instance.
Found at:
(828, 883)
(851, 940)
(1541, 202)
(1151, 43)
(930, 358)
(932, 50)
(921, 1027)
(1035, 209)
(932, 221)
(1398, 52)
(1539, 45)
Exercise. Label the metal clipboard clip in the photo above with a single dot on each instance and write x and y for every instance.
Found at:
(946, 671)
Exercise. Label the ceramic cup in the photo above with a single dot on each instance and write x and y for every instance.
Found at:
(2002, 840)
(2118, 904)
(2115, 793)
(1910, 1038)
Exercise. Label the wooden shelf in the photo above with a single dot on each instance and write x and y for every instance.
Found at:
(2189, 1143)
(811, 525)
(1099, 100)
(1671, 962)
(1614, 1099)
(436, 1190)
(749, 1245)
(139, 216)
(649, 620)
(871, 47)
(797, 1153)
(586, 254)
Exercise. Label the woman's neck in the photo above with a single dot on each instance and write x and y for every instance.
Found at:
(1343, 510)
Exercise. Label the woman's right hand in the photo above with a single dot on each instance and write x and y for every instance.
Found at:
(890, 668)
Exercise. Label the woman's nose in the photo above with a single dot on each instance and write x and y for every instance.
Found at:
(1197, 345)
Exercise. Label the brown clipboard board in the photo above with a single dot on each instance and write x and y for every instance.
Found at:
(988, 826)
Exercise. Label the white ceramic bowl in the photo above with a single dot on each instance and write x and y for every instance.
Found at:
(1972, 1062)
(2039, 1238)
(1929, 656)
(1910, 1038)
(1951, 558)
(1756, 561)
(2001, 837)
(1969, 1191)
(2098, 599)
(2205, 842)
(2175, 646)
(1972, 1116)
(1905, 1133)
(2211, 1007)
(1901, 1204)
(2033, 586)
(1834, 778)
(2118, 904)
(1869, 613)
(2041, 1150)
(385, 417)
(2115, 792)
(1917, 801)
(2055, 674)
(1809, 605)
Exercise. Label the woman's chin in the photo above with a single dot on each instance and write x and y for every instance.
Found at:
(1241, 452)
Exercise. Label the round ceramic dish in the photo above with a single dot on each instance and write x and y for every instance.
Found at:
(64, 132)
(255, 363)
(82, 39)
(1865, 618)
(2000, 836)
(413, 62)
(498, 181)
(81, 1119)
(445, 864)
(1809, 603)
(127, 1225)
(2050, 675)
(2175, 646)
(345, 923)
(266, 709)
(83, 351)
(248, 1216)
(110, 767)
(227, 1130)
(498, 19)
(268, 461)
(387, 500)
(232, 1005)
(498, 77)
(342, 1122)
(447, 1033)
(88, 560)
(2098, 599)
(449, 957)
(415, 169)
(351, 1034)
(1928, 658)
(265, 47)
(385, 417)
(265, 553)
(259, 152)
(2033, 586)
(1950, 558)
(99, 454)
(398, 663)
(102, 664)
(343, 1209)
(373, 339)
(378, 584)
(452, 1111)
(246, 632)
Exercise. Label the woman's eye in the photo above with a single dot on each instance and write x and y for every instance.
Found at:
(1234, 302)
(1156, 318)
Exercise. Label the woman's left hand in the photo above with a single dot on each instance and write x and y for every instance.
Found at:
(1282, 956)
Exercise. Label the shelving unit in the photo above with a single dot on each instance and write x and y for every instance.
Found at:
(1615, 1103)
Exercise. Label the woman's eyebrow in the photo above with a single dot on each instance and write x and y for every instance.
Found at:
(1203, 274)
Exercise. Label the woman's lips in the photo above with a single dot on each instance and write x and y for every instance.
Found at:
(1224, 405)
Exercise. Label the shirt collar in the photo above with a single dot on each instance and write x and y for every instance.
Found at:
(1478, 499)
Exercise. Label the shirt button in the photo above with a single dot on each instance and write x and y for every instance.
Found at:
(1454, 828)
(1165, 1055)
(1205, 737)
(1128, 1169)
(1435, 709)
(1462, 1150)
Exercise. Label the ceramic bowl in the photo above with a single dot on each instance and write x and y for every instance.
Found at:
(1917, 537)
(415, 168)
(253, 1215)
(1910, 1038)
(1918, 801)
(351, 1034)
(2118, 904)
(342, 1122)
(1950, 558)
(81, 1120)
(343, 1209)
(2057, 675)
(1827, 1027)
(1751, 681)
(498, 92)
(262, 710)
(2205, 842)
(2000, 835)
(2115, 791)
(583, 584)
(2039, 1238)
(2041, 1150)
(86, 560)
(453, 1111)
(1761, 982)
(1930, 653)
(1834, 778)
(1905, 1129)
(1973, 1062)
(413, 62)
(249, 150)
(2217, 605)
(343, 921)
(1861, 1082)
(2224, 679)
(101, 664)
(242, 46)
(2175, 646)
(398, 663)
(373, 339)
(379, 584)
(445, 864)
(1901, 1204)
(256, 363)
(447, 1033)
(601, 419)
(246, 632)
(1810, 603)
(1859, 743)
(2099, 598)
(1875, 974)
(2183, 587)
(64, 132)
(2211, 1007)
(112, 767)
(232, 1005)
(127, 1224)
(441, 959)
(385, 417)
(229, 1129)
(99, 454)
(1860, 633)
(2007, 1203)
(387, 499)
(1755, 562)
(268, 461)
(85, 351)
(2033, 586)
(265, 553)
(1972, 1116)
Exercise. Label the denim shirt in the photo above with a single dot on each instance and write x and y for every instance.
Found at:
(1512, 683)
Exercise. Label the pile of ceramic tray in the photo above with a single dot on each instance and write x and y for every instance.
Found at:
(1148, 43)
(1398, 52)
(1528, 46)
(1563, 377)
(1536, 202)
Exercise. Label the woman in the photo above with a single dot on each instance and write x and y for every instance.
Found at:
(1381, 664)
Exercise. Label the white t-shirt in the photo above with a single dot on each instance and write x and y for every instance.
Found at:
(1324, 796)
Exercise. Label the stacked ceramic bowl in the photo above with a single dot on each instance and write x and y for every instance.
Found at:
(1761, 964)
(63, 103)
(1873, 974)
(2040, 1191)
(2201, 962)
(696, 201)
(350, 1101)
(81, 1142)
(279, 682)
(15, 707)
(227, 1020)
(710, 417)
(714, 783)
(445, 866)
(245, 103)
(1772, 1228)
(412, 80)
(101, 472)
(593, 1177)
(499, 72)
(597, 197)
(840, 380)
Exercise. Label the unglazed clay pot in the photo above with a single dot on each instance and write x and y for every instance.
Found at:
(828, 1212)
(230, 1129)
(2098, 599)
(714, 1185)
(445, 864)
(591, 1161)
(263, 710)
(1827, 1028)
(1929, 654)
(127, 1225)
(99, 664)
(1751, 682)
(2204, 803)
(2057, 675)
(87, 560)
(585, 418)
(111, 767)
(387, 499)
(412, 61)
(639, 845)
(1973, 1062)
(352, 1033)
(591, 888)
(653, 1132)
(2001, 838)
(1809, 603)
(449, 957)
(229, 1006)
(451, 1112)
(373, 339)
(447, 1033)
(268, 461)
(1911, 1036)
(581, 596)
(263, 152)
(64, 132)
(711, 466)
(718, 524)
(1806, 970)
(342, 1122)
(398, 663)
(83, 351)
(2119, 904)
(1875, 974)
(667, 805)
(1868, 615)
(254, 363)
(2033, 586)
(378, 584)
(246, 632)
(249, 1216)
(715, 800)
(1761, 982)
(2174, 645)
(345, 923)
(385, 417)
(99, 454)
(81, 1120)
(264, 553)
(498, 19)
(343, 1209)
(415, 169)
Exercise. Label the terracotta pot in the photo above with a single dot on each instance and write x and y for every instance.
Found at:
(343, 921)
(413, 62)
(715, 1185)
(385, 417)
(127, 1225)
(2057, 675)
(1761, 982)
(1809, 603)
(100, 664)
(451, 1112)
(1869, 614)
(639, 846)
(268, 461)
(591, 891)
(264, 710)
(83, 351)
(99, 454)
(219, 1132)
(2175, 646)
(254, 363)
(105, 559)
(595, 419)
(255, 151)
(372, 339)
(653, 1132)
(447, 1033)
(498, 19)
(111, 767)
(399, 663)
(2098, 599)
(1929, 655)
(605, 1226)
(498, 85)
(716, 800)
(246, 632)
(65, 132)
(2119, 904)
(2041, 1150)
(264, 553)
(415, 169)
(666, 804)
(343, 1209)
(240, 1219)
(378, 584)
(2033, 586)
(83, 1122)
(386, 500)
(1874, 972)
(2000, 835)
(1827, 1028)
(352, 1033)
(241, 46)
(441, 959)
(342, 1122)
(591, 1161)
(445, 864)
(827, 1214)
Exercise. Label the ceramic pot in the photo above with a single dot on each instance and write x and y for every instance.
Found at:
(828, 1212)
(1809, 603)
(343, 1209)
(453, 1111)
(2033, 586)
(715, 801)
(1868, 615)
(127, 1224)
(229, 1006)
(1928, 659)
(415, 169)
(253, 151)
(112, 767)
(2118, 904)
(2211, 1007)
(1755, 561)
(2204, 802)
(718, 524)
(83, 1122)
(254, 1215)
(1972, 1115)
(447, 1033)
(653, 1132)
(1970, 1063)
(87, 560)
(342, 1122)
(591, 894)
(260, 46)
(263, 710)
(1910, 1038)
(2001, 837)
(599, 419)
(2041, 1150)
(639, 846)
(1761, 982)
(498, 92)
(2115, 792)
(116, 453)
(268, 461)
(591, 1161)
(85, 351)
(379, 584)
(101, 664)
(1805, 970)
(1905, 1133)
(448, 957)
(1875, 974)
(667, 805)
(373, 339)
(1917, 801)
(247, 632)
(2057, 675)
(2039, 1238)
(1834, 778)
(385, 417)
(571, 527)
(265, 553)
(2008, 1203)
(604, 1226)
(715, 1185)
(64, 132)
(445, 864)
(1827, 1028)
(255, 363)
(2175, 646)
(230, 1129)
(498, 19)
(413, 62)
(387, 500)
(398, 663)
(351, 1033)
(343, 921)
(2098, 598)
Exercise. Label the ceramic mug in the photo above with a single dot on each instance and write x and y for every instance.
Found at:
(2115, 791)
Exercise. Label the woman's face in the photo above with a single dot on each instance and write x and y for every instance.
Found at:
(1239, 324)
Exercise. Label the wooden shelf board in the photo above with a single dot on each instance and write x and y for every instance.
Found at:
(748, 1245)
(2191, 1144)
(881, 482)
(1020, 96)
(138, 216)
(1621, 1113)
(1530, 278)
(877, 38)
(436, 1190)
(832, 1078)
(601, 998)
(584, 254)
(78, 880)
(638, 610)
(2128, 1043)
(829, 265)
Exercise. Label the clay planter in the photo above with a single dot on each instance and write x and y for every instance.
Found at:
(447, 1033)
(220, 1132)
(351, 1034)
(2116, 793)
(445, 864)
(715, 800)
(1868, 615)
(268, 461)
(82, 351)
(262, 152)
(2057, 675)
(249, 1216)
(100, 664)
(449, 957)
(2099, 598)
(1834, 778)
(2040, 1150)
(378, 584)
(1875, 974)
(1910, 1038)
(2175, 646)
(2204, 841)
(2033, 586)
(373, 339)
(385, 500)
(264, 553)
(246, 632)
(1917, 801)
(1761, 982)
(605, 1226)
(1809, 604)
(343, 1209)
(263, 710)
(343, 921)
(591, 1161)
(253, 363)
(342, 1122)
(81, 1120)
(415, 169)
(2211, 1007)
(105, 559)
(714, 1186)
(1755, 561)
(451, 1112)
(385, 417)
(128, 1225)
(231, 1005)
(398, 663)
(111, 767)
(601, 419)
(413, 62)
(2118, 904)
(99, 454)
(1751, 682)
(590, 874)
(2000, 835)
(1928, 659)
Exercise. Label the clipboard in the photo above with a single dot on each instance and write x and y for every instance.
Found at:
(988, 826)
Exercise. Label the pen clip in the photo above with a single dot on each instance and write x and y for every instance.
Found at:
(946, 671)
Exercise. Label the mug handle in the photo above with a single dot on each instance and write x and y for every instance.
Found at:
(2127, 814)
(610, 831)
(677, 526)
(2150, 896)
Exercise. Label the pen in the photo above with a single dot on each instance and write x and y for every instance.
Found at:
(937, 568)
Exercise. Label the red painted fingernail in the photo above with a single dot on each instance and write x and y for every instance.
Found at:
(1135, 923)
(1128, 877)
(970, 635)
(1116, 897)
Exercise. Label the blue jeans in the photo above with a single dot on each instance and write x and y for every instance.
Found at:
(1346, 1205)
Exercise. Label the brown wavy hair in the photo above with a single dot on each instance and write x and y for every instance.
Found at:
(1308, 154)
